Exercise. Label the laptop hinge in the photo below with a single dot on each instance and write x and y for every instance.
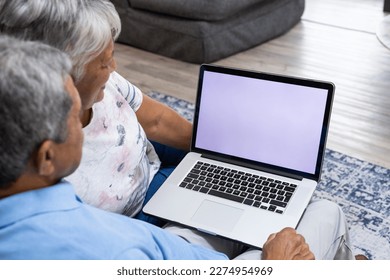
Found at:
(254, 166)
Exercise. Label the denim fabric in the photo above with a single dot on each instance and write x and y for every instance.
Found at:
(170, 158)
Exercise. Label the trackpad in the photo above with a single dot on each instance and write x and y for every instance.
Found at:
(216, 215)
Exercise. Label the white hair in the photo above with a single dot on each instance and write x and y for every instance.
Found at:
(34, 104)
(81, 28)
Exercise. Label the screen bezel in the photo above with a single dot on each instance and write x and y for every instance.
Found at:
(328, 86)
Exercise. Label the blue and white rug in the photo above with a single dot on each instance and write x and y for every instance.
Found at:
(362, 190)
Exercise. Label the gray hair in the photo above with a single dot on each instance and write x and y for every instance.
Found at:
(81, 28)
(34, 104)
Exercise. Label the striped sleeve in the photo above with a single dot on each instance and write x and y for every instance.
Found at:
(130, 92)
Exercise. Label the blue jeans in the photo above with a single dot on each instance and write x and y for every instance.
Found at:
(170, 158)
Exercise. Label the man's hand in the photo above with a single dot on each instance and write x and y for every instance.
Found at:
(287, 244)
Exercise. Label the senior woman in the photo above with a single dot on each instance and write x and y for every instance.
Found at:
(120, 168)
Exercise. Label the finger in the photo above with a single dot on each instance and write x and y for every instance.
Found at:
(305, 252)
(271, 236)
(305, 256)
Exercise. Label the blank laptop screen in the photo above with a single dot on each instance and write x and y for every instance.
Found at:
(271, 122)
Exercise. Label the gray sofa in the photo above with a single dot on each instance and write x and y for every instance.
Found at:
(202, 31)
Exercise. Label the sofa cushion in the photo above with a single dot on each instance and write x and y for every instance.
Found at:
(201, 41)
(199, 9)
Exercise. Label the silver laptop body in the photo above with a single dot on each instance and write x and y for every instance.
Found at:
(262, 130)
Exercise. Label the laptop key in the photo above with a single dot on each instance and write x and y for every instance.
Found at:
(278, 203)
(272, 208)
(203, 190)
(193, 175)
(248, 202)
(236, 192)
(289, 189)
(226, 196)
(250, 190)
(243, 194)
(257, 204)
(196, 171)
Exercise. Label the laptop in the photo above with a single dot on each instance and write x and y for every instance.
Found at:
(256, 154)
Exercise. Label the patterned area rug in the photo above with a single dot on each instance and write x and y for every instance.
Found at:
(360, 188)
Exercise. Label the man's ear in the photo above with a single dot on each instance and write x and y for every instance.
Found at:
(45, 159)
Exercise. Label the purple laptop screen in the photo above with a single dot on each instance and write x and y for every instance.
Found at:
(270, 122)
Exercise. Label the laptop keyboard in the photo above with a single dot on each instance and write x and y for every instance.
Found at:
(249, 189)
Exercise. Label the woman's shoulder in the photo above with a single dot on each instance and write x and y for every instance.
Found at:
(117, 79)
(119, 84)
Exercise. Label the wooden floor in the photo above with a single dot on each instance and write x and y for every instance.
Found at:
(336, 41)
